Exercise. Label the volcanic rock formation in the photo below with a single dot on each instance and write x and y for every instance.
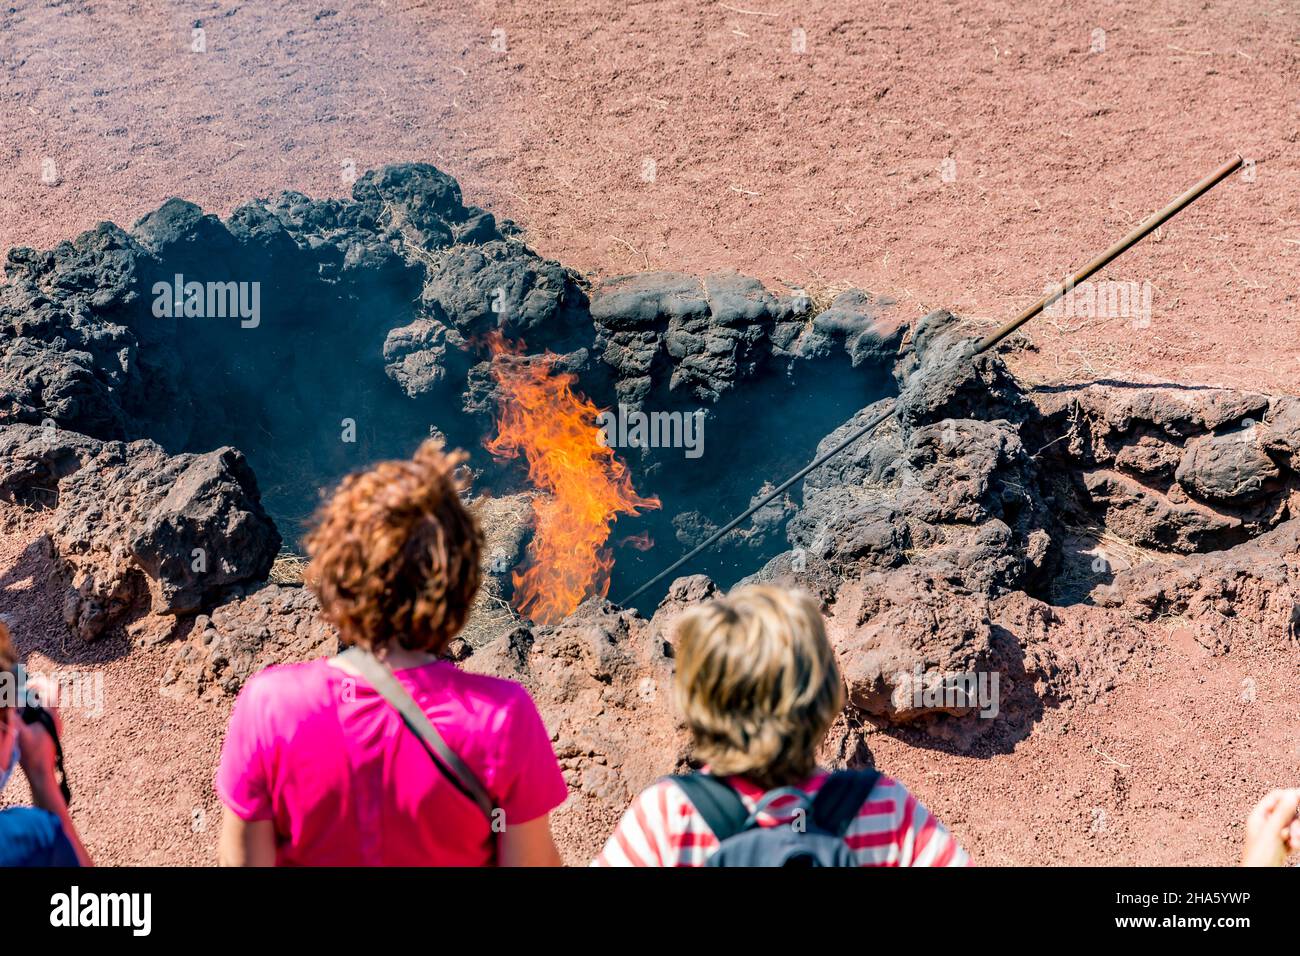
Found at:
(987, 528)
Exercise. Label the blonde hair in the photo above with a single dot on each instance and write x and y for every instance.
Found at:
(757, 682)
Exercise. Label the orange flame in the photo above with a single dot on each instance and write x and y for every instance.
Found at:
(554, 427)
(642, 541)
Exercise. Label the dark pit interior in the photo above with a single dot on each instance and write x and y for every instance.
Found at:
(755, 438)
(373, 325)
(289, 393)
(304, 395)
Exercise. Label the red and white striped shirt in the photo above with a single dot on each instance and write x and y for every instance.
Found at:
(662, 828)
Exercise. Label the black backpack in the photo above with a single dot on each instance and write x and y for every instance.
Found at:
(813, 838)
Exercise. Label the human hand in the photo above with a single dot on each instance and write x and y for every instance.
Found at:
(1272, 830)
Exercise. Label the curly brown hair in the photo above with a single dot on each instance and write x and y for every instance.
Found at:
(395, 554)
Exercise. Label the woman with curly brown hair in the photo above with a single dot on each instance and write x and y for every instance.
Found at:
(387, 754)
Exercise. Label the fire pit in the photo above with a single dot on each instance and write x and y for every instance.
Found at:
(318, 336)
(635, 415)
(176, 397)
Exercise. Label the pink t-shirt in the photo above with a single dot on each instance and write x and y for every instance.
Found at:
(317, 751)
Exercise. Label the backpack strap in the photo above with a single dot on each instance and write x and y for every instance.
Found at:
(413, 715)
(715, 801)
(36, 714)
(841, 797)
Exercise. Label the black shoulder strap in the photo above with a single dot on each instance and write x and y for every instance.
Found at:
(716, 802)
(841, 797)
(39, 715)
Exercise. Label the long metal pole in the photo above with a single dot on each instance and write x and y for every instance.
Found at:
(1145, 228)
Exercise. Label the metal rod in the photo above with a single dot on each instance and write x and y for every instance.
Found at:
(1147, 226)
(811, 466)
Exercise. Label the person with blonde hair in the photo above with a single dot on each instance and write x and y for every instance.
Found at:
(758, 685)
(388, 754)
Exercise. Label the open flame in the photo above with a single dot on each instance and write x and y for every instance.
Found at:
(554, 427)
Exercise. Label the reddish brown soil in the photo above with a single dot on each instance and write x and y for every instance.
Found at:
(1162, 771)
(140, 765)
(820, 169)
